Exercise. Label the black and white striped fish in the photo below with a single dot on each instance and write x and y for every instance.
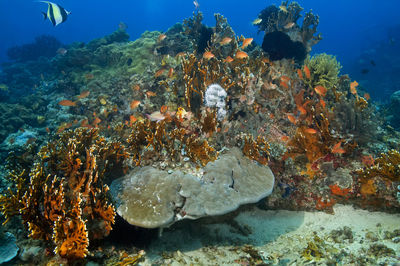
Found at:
(55, 13)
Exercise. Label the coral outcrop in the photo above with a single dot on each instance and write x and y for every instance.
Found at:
(63, 199)
(284, 37)
(161, 198)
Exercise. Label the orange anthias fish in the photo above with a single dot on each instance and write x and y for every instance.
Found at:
(321, 90)
(241, 55)
(163, 109)
(67, 103)
(310, 131)
(337, 149)
(307, 72)
(353, 87)
(136, 87)
(150, 94)
(285, 78)
(132, 119)
(301, 109)
(208, 55)
(284, 84)
(225, 41)
(159, 72)
(367, 96)
(170, 72)
(246, 42)
(161, 37)
(83, 94)
(300, 73)
(134, 104)
(228, 59)
(291, 118)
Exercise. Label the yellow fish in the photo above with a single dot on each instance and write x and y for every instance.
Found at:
(283, 8)
(257, 21)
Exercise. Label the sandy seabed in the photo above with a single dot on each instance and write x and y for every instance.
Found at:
(261, 237)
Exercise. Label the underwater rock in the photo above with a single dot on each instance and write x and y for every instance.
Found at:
(278, 45)
(8, 247)
(117, 36)
(151, 198)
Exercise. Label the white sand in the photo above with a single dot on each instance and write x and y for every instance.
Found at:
(277, 236)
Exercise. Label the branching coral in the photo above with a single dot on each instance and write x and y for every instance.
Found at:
(387, 167)
(64, 201)
(257, 150)
(148, 137)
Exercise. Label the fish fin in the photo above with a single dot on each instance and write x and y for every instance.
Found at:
(44, 15)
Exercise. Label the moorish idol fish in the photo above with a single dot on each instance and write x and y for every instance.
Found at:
(55, 13)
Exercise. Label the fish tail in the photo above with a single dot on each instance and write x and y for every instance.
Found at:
(44, 15)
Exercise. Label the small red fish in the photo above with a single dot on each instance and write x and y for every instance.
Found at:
(310, 131)
(300, 73)
(150, 94)
(67, 103)
(170, 72)
(284, 84)
(320, 90)
(159, 72)
(225, 41)
(83, 94)
(246, 42)
(241, 55)
(307, 72)
(337, 149)
(134, 104)
(228, 59)
(291, 118)
(208, 55)
(163, 109)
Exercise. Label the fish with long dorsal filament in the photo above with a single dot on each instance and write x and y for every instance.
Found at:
(55, 13)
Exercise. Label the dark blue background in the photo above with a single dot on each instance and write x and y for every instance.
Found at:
(347, 26)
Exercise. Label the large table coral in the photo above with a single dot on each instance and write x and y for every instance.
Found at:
(153, 198)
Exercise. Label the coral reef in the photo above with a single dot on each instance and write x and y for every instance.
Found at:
(199, 33)
(44, 45)
(185, 124)
(284, 38)
(63, 200)
(278, 45)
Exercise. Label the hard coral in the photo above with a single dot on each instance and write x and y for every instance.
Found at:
(151, 137)
(64, 201)
(387, 167)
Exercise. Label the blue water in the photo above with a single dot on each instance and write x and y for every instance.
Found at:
(348, 27)
(356, 32)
